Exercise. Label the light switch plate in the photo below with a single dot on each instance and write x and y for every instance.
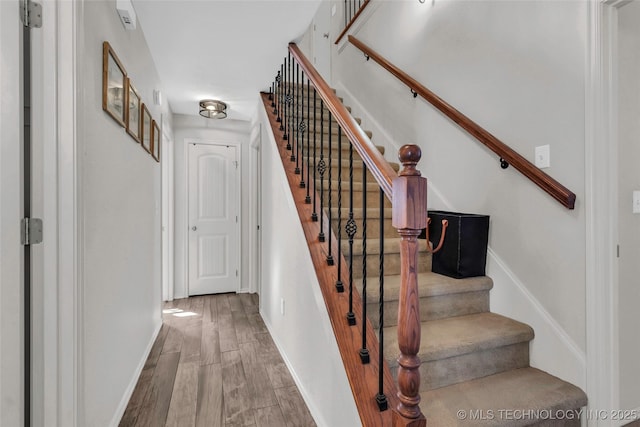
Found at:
(543, 156)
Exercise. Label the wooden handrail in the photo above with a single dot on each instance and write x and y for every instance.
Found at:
(379, 168)
(352, 21)
(544, 181)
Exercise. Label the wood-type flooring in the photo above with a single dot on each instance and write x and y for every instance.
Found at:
(214, 364)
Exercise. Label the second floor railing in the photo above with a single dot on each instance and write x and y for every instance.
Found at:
(507, 155)
(352, 10)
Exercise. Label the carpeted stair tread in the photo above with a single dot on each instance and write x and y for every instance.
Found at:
(391, 246)
(525, 389)
(456, 336)
(429, 285)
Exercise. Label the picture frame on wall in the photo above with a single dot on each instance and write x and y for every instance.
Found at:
(155, 142)
(113, 85)
(132, 117)
(146, 128)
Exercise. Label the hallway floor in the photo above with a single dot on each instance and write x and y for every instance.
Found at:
(214, 364)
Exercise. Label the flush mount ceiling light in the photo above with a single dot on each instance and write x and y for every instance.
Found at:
(213, 109)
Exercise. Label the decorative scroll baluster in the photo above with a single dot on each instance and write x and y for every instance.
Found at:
(330, 256)
(302, 129)
(314, 215)
(307, 199)
(296, 122)
(339, 284)
(364, 351)
(381, 399)
(293, 123)
(409, 217)
(322, 167)
(351, 228)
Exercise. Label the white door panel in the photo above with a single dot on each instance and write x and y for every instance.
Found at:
(11, 208)
(213, 219)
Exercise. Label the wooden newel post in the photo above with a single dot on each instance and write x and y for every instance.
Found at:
(409, 217)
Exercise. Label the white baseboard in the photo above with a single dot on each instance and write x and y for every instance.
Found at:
(134, 380)
(553, 350)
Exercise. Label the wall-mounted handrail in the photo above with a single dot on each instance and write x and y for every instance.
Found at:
(352, 20)
(377, 165)
(544, 181)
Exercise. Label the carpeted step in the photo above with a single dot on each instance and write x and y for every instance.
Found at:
(440, 297)
(464, 348)
(391, 250)
(493, 401)
(373, 221)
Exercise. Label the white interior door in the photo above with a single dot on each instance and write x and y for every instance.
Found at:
(214, 232)
(322, 40)
(12, 402)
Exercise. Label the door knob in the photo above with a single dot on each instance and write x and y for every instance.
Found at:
(194, 228)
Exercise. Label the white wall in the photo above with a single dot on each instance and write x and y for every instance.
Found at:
(233, 132)
(517, 69)
(303, 334)
(629, 223)
(119, 196)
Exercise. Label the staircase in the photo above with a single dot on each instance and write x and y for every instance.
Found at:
(475, 364)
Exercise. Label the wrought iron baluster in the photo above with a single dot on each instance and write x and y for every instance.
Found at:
(307, 199)
(280, 101)
(339, 284)
(381, 399)
(364, 352)
(276, 88)
(346, 21)
(287, 99)
(314, 215)
(330, 256)
(322, 167)
(351, 228)
(296, 120)
(302, 128)
(293, 125)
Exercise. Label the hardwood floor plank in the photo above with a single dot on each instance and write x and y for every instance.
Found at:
(210, 344)
(293, 408)
(279, 375)
(262, 394)
(197, 305)
(235, 303)
(137, 398)
(270, 353)
(236, 392)
(226, 328)
(244, 332)
(256, 323)
(182, 409)
(271, 416)
(173, 342)
(210, 308)
(156, 349)
(154, 411)
(256, 299)
(191, 341)
(210, 402)
(248, 303)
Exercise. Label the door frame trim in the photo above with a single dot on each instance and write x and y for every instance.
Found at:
(220, 142)
(601, 208)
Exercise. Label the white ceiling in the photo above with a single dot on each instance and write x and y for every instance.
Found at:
(221, 49)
